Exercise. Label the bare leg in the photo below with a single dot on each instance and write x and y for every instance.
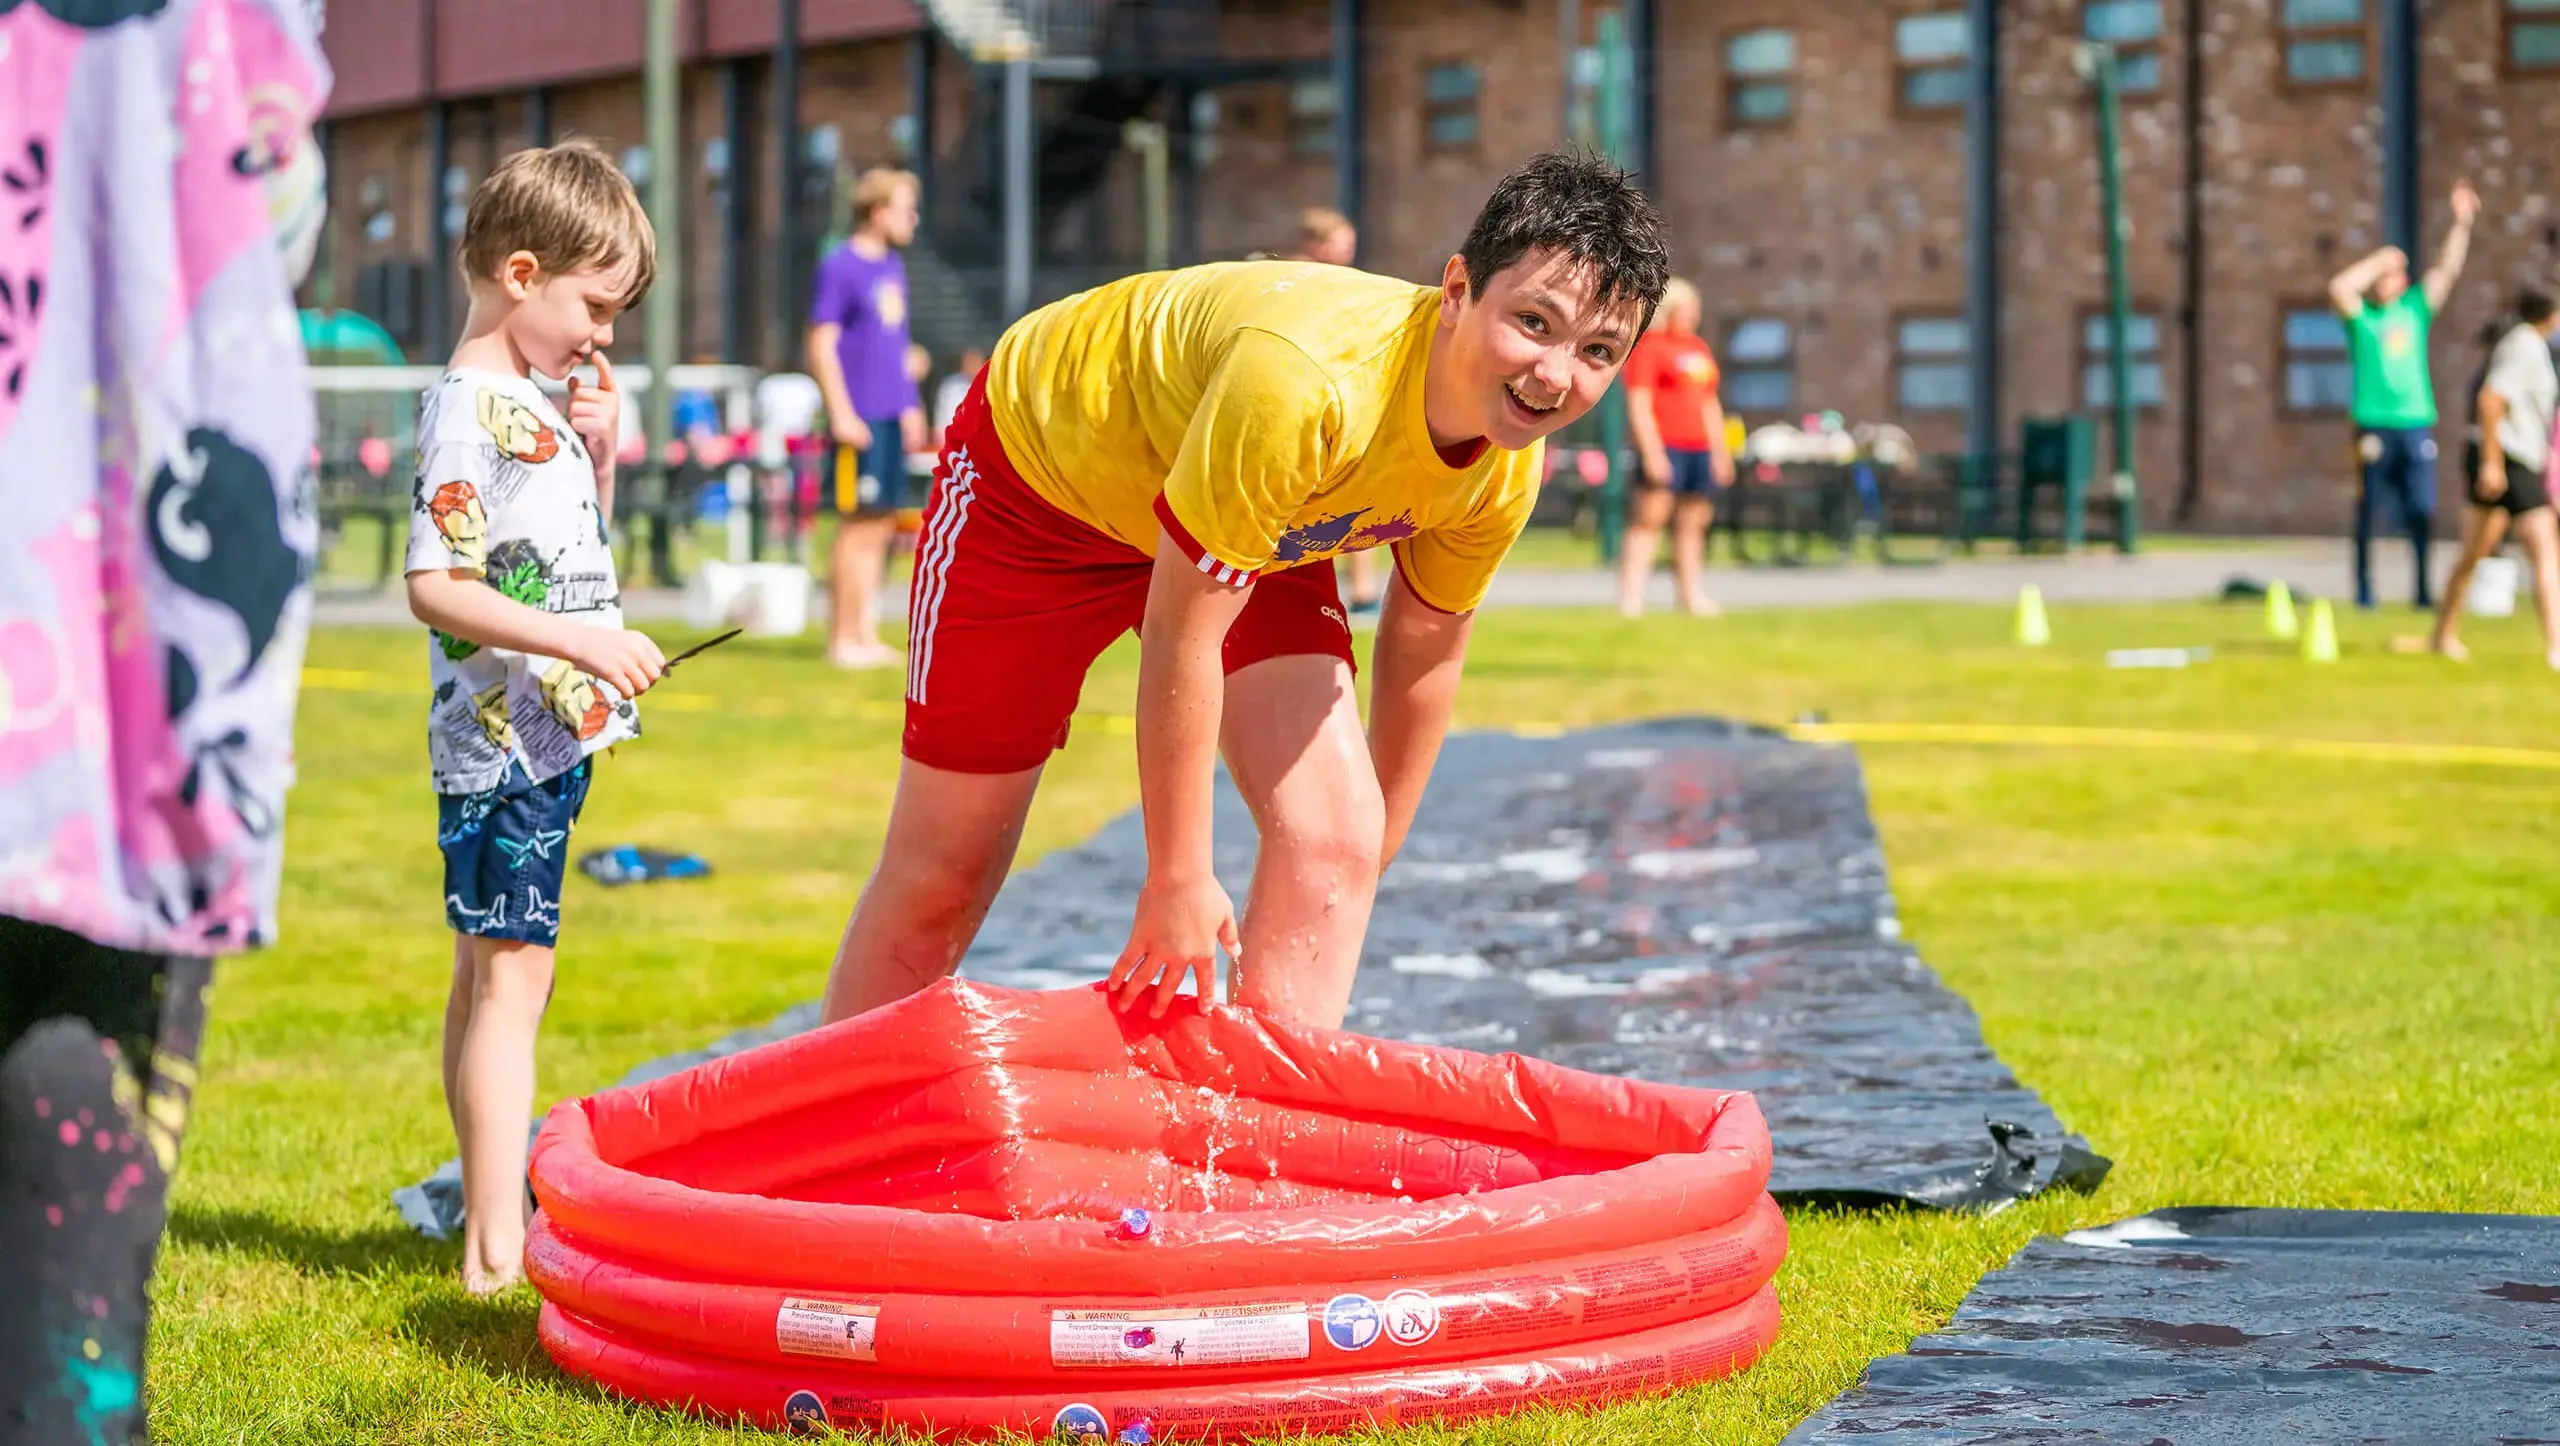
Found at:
(457, 1022)
(951, 840)
(2484, 529)
(1689, 554)
(2540, 530)
(1293, 740)
(511, 985)
(1363, 567)
(1635, 553)
(860, 557)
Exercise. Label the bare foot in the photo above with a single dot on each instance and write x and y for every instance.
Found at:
(1701, 607)
(2452, 647)
(479, 1279)
(2552, 659)
(1630, 610)
(862, 655)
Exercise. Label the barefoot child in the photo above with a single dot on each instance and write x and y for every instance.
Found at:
(532, 669)
(1191, 450)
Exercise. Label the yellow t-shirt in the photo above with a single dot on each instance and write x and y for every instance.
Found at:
(1261, 413)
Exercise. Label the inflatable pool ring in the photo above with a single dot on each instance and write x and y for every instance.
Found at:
(983, 1210)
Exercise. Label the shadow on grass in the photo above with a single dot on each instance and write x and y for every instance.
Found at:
(311, 1250)
(491, 1335)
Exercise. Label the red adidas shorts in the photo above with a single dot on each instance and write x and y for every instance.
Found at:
(1012, 600)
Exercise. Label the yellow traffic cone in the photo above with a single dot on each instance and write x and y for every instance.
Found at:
(2282, 624)
(2320, 640)
(2033, 630)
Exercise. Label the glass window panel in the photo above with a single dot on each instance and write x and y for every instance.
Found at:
(1939, 89)
(2535, 43)
(1759, 389)
(2121, 20)
(2309, 330)
(2320, 60)
(1759, 338)
(1935, 387)
(1942, 36)
(1763, 100)
(1933, 336)
(1761, 52)
(1449, 83)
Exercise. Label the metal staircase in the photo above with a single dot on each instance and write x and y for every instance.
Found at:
(1100, 64)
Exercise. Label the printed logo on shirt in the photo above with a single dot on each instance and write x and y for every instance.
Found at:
(575, 698)
(1342, 532)
(461, 522)
(1695, 366)
(889, 299)
(491, 706)
(517, 431)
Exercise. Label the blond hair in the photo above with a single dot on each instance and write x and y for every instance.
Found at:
(1319, 224)
(1674, 293)
(568, 205)
(873, 188)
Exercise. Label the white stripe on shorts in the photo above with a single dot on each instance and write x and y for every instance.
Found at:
(933, 570)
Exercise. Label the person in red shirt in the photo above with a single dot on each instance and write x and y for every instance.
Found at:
(1678, 424)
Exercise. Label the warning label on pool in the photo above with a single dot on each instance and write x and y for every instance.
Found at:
(1224, 1335)
(828, 1328)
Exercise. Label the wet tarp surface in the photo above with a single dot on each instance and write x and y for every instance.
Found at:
(2200, 1326)
(1683, 901)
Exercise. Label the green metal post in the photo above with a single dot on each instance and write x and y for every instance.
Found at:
(1616, 85)
(2119, 302)
(665, 313)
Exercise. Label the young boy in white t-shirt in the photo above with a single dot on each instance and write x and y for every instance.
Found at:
(533, 672)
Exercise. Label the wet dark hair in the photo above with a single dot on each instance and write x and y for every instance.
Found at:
(1584, 206)
(2533, 307)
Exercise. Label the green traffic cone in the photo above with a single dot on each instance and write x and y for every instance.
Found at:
(2282, 624)
(2033, 630)
(2320, 640)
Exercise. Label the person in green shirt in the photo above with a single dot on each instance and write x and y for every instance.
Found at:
(2394, 401)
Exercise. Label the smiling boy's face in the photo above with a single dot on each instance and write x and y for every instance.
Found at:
(559, 321)
(1538, 348)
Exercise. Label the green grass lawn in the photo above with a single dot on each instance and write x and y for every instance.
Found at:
(2251, 980)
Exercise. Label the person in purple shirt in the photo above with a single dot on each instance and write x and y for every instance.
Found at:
(858, 353)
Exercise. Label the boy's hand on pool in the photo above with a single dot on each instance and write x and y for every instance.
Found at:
(1179, 929)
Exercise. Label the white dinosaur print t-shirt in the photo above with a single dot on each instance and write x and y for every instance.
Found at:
(505, 490)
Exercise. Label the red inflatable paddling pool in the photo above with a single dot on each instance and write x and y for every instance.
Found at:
(984, 1209)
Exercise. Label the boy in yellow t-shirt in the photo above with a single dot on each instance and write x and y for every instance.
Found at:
(1186, 452)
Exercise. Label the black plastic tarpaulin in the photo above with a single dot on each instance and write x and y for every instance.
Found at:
(2207, 1326)
(1685, 901)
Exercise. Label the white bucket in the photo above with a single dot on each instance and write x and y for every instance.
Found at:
(2494, 584)
(768, 599)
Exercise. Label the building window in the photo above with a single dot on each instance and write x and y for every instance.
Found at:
(1311, 116)
(1933, 371)
(1759, 365)
(2533, 35)
(2318, 377)
(1929, 53)
(2324, 42)
(2142, 355)
(1449, 105)
(2133, 27)
(1760, 78)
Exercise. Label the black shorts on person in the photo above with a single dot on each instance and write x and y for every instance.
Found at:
(2526, 489)
(1693, 474)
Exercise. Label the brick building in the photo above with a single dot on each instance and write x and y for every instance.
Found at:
(1812, 158)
